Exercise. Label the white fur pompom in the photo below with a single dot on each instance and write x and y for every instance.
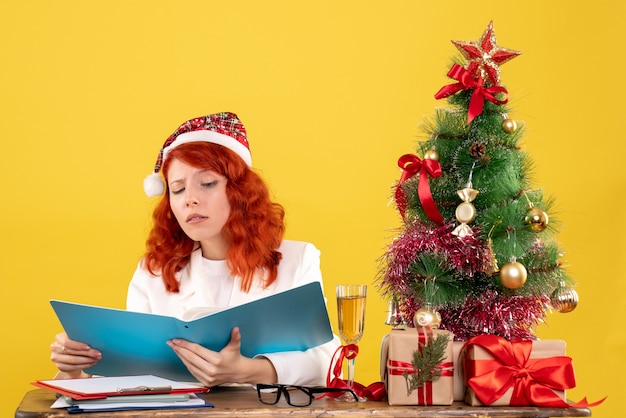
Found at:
(153, 185)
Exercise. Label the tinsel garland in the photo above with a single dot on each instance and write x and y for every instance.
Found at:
(467, 256)
(492, 312)
(489, 309)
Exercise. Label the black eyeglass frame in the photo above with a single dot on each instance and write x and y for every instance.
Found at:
(308, 390)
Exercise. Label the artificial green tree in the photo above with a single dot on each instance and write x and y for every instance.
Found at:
(477, 249)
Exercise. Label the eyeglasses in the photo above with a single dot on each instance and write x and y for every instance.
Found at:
(295, 395)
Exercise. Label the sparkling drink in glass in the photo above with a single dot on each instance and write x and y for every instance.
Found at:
(351, 315)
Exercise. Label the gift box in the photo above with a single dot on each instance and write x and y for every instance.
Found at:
(459, 382)
(499, 372)
(403, 381)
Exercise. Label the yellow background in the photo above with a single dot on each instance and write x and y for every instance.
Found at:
(331, 93)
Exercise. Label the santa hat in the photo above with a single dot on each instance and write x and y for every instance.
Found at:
(223, 128)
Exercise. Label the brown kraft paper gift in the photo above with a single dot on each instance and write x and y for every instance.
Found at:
(540, 350)
(398, 348)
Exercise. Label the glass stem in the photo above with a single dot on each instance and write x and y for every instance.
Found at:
(351, 373)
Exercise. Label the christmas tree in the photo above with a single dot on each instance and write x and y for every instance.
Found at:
(476, 253)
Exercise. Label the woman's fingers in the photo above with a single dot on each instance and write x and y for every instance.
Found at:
(72, 356)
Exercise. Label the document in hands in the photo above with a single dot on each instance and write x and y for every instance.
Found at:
(134, 343)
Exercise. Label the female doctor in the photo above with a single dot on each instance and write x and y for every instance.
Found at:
(216, 242)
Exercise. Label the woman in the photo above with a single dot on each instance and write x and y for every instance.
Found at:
(216, 242)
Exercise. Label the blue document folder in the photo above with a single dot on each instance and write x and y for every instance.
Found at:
(134, 343)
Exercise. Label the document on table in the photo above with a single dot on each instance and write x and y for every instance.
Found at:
(98, 388)
(125, 403)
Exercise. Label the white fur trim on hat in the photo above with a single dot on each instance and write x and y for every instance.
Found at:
(214, 137)
(153, 185)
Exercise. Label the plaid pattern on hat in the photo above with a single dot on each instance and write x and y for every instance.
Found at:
(225, 123)
(223, 128)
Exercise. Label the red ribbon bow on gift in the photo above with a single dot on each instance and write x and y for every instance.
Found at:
(466, 82)
(411, 165)
(374, 392)
(533, 380)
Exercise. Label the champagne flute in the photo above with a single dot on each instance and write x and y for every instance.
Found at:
(351, 315)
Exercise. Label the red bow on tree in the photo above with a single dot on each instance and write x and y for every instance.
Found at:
(411, 165)
(466, 82)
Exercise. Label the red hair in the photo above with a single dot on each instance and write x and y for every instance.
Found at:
(254, 229)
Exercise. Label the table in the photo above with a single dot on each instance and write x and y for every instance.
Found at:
(243, 402)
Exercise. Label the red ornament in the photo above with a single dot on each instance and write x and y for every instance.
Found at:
(480, 92)
(485, 57)
(412, 165)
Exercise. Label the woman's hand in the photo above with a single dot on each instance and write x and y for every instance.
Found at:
(71, 357)
(213, 368)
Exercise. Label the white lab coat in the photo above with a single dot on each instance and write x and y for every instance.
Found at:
(300, 264)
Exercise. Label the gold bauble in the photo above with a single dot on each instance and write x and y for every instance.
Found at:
(509, 125)
(537, 219)
(513, 275)
(426, 317)
(564, 299)
(431, 154)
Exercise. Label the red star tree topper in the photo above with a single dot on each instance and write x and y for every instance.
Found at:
(485, 57)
